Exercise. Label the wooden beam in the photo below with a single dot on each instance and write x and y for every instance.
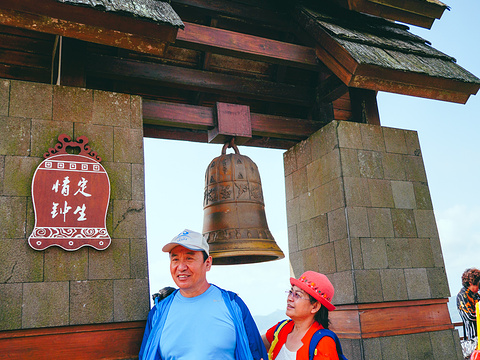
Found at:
(364, 106)
(198, 80)
(90, 33)
(231, 43)
(201, 118)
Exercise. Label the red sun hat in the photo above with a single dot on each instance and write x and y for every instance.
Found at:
(316, 285)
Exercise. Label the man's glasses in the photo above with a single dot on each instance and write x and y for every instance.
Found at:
(296, 295)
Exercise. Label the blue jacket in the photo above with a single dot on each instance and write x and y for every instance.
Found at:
(249, 344)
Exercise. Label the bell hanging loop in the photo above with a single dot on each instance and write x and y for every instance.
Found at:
(234, 222)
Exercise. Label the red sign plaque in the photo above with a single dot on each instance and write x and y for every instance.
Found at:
(70, 194)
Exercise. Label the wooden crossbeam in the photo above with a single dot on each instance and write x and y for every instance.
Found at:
(198, 80)
(202, 118)
(226, 42)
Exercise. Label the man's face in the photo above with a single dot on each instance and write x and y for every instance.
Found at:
(189, 271)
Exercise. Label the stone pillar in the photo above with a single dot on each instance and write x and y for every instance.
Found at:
(359, 211)
(52, 288)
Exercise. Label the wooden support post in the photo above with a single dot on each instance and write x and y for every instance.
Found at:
(364, 106)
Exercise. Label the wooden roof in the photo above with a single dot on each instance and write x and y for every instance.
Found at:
(373, 53)
(295, 70)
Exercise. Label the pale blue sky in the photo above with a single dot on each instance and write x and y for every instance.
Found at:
(449, 139)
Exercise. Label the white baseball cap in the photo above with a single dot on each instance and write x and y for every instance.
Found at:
(190, 239)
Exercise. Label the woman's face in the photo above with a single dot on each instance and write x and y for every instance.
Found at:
(299, 306)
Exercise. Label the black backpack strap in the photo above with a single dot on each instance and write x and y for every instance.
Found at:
(317, 336)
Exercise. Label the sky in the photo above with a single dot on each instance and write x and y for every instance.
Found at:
(449, 140)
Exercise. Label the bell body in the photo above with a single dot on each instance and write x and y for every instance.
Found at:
(234, 213)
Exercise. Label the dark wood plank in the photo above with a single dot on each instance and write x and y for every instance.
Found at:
(364, 106)
(197, 80)
(206, 38)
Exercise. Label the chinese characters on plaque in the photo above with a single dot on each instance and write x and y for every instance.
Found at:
(70, 194)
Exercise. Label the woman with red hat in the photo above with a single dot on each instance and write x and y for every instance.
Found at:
(308, 303)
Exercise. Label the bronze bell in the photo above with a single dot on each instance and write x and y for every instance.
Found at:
(234, 220)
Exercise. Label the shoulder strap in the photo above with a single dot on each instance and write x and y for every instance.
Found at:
(279, 327)
(317, 336)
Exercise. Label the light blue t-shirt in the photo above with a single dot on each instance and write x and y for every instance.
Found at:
(198, 328)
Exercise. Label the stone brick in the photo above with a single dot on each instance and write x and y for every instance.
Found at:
(357, 222)
(45, 135)
(120, 176)
(19, 262)
(414, 168)
(91, 302)
(289, 161)
(289, 187)
(110, 108)
(372, 137)
(311, 259)
(4, 96)
(426, 225)
(138, 182)
(394, 167)
(312, 232)
(331, 167)
(413, 144)
(437, 279)
(444, 345)
(307, 208)
(45, 304)
(136, 112)
(111, 263)
(381, 194)
(313, 176)
(292, 239)
(356, 192)
(324, 140)
(300, 182)
(337, 225)
(395, 347)
(303, 153)
(2, 173)
(128, 219)
(421, 253)
(380, 222)
(417, 284)
(131, 153)
(393, 285)
(342, 255)
(372, 348)
(349, 162)
(297, 263)
(352, 348)
(437, 252)
(404, 223)
(12, 213)
(31, 100)
(398, 253)
(100, 139)
(374, 253)
(349, 135)
(343, 284)
(370, 163)
(61, 265)
(11, 305)
(131, 299)
(293, 212)
(138, 259)
(403, 194)
(72, 104)
(356, 253)
(456, 343)
(329, 197)
(326, 259)
(419, 346)
(369, 286)
(19, 172)
(395, 140)
(422, 196)
(15, 136)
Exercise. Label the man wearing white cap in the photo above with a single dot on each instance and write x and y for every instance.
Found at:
(198, 320)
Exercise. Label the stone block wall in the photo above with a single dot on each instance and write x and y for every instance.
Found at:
(56, 287)
(359, 211)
